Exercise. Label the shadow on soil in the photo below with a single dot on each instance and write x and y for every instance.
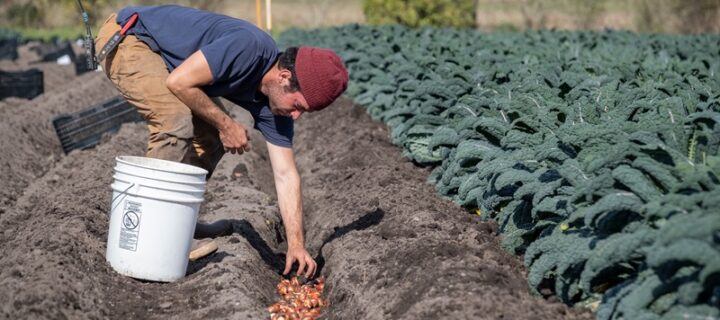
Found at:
(366, 221)
(195, 266)
(276, 261)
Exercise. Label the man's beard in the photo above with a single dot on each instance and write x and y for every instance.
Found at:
(274, 93)
(273, 107)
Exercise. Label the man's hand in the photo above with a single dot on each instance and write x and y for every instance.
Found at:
(186, 81)
(304, 260)
(234, 137)
(287, 184)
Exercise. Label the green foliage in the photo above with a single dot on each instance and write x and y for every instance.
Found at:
(49, 34)
(421, 13)
(24, 34)
(682, 266)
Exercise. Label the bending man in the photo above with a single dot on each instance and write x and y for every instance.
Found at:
(176, 62)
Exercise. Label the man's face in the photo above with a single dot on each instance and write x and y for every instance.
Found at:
(286, 103)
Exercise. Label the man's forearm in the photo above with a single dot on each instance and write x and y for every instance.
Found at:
(290, 203)
(185, 83)
(202, 106)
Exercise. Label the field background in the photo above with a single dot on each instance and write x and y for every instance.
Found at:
(43, 18)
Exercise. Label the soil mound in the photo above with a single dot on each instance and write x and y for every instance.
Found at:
(32, 147)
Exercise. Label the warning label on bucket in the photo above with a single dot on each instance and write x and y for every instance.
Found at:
(130, 225)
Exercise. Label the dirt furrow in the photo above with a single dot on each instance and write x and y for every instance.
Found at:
(388, 246)
(392, 249)
(54, 244)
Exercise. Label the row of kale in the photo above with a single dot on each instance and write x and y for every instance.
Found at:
(569, 140)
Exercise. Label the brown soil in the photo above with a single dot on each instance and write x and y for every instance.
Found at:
(387, 245)
(30, 146)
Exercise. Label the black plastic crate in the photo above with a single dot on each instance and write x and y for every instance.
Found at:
(8, 49)
(84, 129)
(81, 64)
(50, 52)
(22, 84)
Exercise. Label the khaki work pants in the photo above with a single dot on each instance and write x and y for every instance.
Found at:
(140, 74)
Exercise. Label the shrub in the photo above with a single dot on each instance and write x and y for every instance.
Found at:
(421, 13)
(24, 14)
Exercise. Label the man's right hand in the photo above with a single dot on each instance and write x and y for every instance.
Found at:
(234, 137)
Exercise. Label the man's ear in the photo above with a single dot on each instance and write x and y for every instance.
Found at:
(285, 74)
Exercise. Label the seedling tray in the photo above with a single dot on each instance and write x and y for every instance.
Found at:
(22, 84)
(85, 129)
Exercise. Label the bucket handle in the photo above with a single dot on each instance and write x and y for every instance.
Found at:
(151, 197)
(120, 194)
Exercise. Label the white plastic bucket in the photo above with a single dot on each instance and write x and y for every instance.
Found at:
(154, 209)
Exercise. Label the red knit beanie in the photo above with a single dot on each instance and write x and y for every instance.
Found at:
(321, 75)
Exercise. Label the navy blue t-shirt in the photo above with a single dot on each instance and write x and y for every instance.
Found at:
(239, 54)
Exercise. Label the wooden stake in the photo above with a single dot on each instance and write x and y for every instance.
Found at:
(258, 14)
(203, 251)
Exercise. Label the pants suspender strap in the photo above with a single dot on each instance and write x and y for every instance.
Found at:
(116, 38)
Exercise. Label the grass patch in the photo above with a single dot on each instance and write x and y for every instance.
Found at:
(47, 34)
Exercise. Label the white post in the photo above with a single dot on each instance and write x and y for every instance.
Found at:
(268, 15)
